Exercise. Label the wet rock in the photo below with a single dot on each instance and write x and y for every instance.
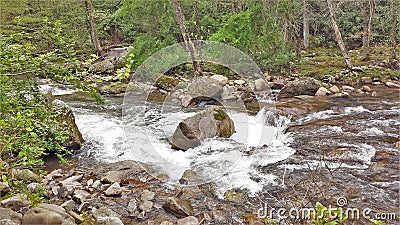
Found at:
(58, 209)
(108, 221)
(47, 214)
(234, 196)
(69, 205)
(68, 119)
(16, 202)
(228, 93)
(190, 220)
(213, 122)
(73, 179)
(76, 216)
(190, 177)
(365, 88)
(113, 190)
(247, 94)
(166, 82)
(205, 87)
(366, 80)
(392, 84)
(4, 188)
(147, 195)
(132, 206)
(33, 187)
(96, 185)
(322, 92)
(166, 223)
(104, 212)
(113, 176)
(146, 206)
(41, 216)
(347, 88)
(219, 216)
(220, 78)
(334, 89)
(8, 216)
(299, 87)
(260, 84)
(178, 207)
(24, 174)
(80, 195)
(278, 84)
(239, 82)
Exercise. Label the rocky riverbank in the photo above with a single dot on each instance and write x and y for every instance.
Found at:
(122, 193)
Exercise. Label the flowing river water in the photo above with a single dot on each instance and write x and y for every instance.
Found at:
(331, 148)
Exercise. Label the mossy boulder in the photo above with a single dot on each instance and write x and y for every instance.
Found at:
(68, 119)
(212, 122)
(166, 82)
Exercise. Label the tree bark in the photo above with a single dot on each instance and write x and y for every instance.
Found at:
(188, 42)
(393, 42)
(92, 27)
(368, 11)
(306, 25)
(198, 28)
(338, 35)
(233, 6)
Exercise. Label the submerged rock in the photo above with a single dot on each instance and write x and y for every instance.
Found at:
(308, 86)
(213, 122)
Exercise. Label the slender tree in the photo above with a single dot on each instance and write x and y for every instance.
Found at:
(368, 13)
(92, 27)
(306, 25)
(196, 11)
(185, 35)
(393, 5)
(338, 35)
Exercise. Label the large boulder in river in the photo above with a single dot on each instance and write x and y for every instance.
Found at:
(308, 86)
(205, 87)
(212, 122)
(68, 119)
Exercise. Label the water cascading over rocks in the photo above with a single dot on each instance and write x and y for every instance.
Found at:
(212, 122)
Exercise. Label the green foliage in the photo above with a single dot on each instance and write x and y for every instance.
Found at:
(29, 129)
(263, 42)
(377, 222)
(19, 55)
(323, 215)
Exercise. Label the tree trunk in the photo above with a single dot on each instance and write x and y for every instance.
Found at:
(188, 42)
(233, 6)
(368, 11)
(393, 43)
(306, 25)
(198, 28)
(92, 27)
(338, 35)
